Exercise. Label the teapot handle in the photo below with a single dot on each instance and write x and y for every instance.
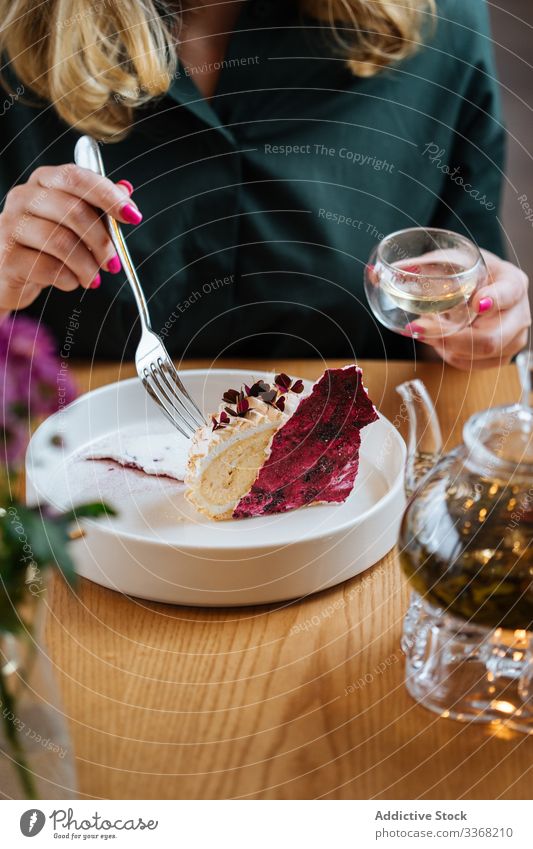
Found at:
(424, 442)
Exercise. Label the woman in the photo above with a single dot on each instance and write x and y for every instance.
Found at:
(269, 145)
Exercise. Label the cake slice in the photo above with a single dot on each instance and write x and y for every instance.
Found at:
(269, 450)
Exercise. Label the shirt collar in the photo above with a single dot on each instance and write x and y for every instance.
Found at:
(184, 92)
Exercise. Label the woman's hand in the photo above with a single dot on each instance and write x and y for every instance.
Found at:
(503, 319)
(51, 232)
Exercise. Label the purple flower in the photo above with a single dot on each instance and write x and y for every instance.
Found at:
(32, 382)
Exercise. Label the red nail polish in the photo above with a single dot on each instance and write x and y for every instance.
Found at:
(96, 282)
(114, 265)
(127, 185)
(485, 304)
(131, 214)
(415, 330)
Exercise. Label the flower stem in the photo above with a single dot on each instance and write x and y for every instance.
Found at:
(24, 773)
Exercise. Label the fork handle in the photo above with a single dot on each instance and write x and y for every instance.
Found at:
(87, 155)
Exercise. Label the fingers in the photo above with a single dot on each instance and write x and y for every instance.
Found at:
(466, 364)
(501, 329)
(488, 343)
(71, 212)
(476, 365)
(127, 185)
(36, 270)
(97, 191)
(486, 338)
(52, 233)
(49, 238)
(506, 287)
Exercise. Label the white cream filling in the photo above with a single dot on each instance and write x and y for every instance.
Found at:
(203, 463)
(208, 444)
(227, 443)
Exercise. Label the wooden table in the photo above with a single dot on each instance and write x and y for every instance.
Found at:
(173, 702)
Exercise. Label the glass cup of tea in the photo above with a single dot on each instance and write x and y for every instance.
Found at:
(420, 282)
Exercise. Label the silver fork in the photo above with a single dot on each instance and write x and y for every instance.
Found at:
(154, 366)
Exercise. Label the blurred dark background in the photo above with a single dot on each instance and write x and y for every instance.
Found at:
(512, 32)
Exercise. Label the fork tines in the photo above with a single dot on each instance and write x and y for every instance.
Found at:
(161, 380)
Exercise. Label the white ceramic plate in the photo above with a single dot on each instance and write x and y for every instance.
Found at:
(159, 548)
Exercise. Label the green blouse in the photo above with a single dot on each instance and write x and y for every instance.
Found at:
(262, 205)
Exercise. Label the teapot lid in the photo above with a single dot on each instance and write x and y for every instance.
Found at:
(501, 440)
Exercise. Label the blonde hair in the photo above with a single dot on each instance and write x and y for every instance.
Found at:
(97, 61)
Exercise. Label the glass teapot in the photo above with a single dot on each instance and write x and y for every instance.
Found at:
(466, 546)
